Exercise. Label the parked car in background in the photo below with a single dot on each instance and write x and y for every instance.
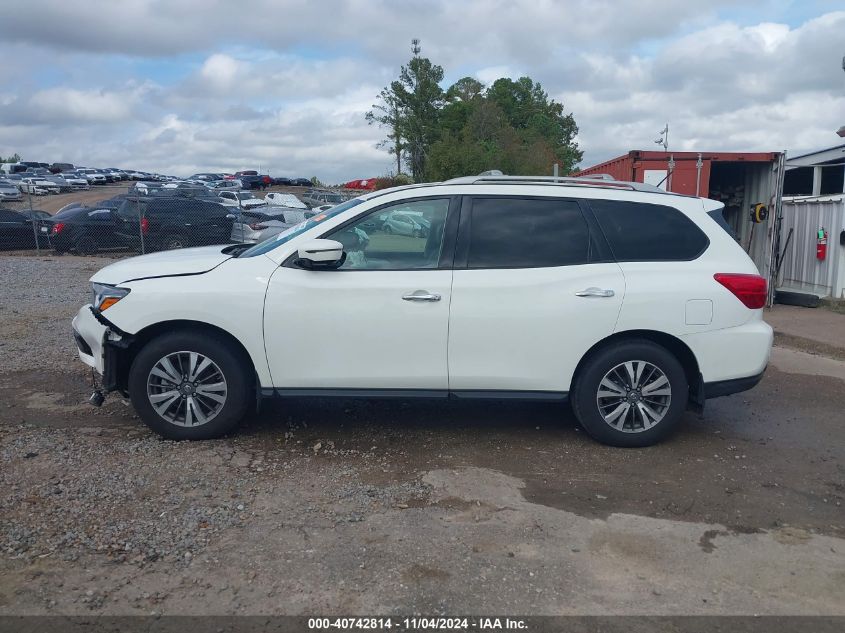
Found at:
(252, 227)
(110, 176)
(240, 199)
(93, 176)
(301, 182)
(38, 186)
(16, 229)
(203, 178)
(46, 174)
(58, 168)
(12, 168)
(168, 222)
(9, 191)
(251, 179)
(317, 197)
(135, 175)
(112, 203)
(282, 180)
(82, 229)
(118, 174)
(233, 184)
(285, 200)
(402, 222)
(76, 182)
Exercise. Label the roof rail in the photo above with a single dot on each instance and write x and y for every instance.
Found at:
(569, 181)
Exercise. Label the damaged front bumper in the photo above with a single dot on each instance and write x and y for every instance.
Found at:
(99, 343)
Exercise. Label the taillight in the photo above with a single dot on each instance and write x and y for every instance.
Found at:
(145, 226)
(58, 227)
(750, 289)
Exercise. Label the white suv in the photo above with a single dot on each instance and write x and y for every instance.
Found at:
(630, 303)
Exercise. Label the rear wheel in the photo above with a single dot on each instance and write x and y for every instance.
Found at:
(189, 386)
(630, 394)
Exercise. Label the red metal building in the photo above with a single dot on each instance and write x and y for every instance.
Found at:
(740, 180)
(692, 171)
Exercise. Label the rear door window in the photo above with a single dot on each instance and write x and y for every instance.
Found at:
(639, 231)
(526, 233)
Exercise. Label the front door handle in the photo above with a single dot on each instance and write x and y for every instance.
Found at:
(594, 292)
(422, 295)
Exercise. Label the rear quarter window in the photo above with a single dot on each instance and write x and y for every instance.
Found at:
(639, 231)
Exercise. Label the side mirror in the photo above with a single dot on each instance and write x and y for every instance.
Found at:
(320, 254)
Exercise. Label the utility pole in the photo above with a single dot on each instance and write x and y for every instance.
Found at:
(841, 130)
(664, 138)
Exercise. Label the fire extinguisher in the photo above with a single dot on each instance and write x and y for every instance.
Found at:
(821, 244)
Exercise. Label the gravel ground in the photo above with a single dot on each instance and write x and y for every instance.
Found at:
(38, 297)
(405, 507)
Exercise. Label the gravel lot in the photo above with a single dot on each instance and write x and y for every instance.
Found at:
(405, 507)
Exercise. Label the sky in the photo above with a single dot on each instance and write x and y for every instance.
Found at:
(181, 86)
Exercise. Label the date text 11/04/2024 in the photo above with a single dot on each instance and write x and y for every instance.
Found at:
(418, 624)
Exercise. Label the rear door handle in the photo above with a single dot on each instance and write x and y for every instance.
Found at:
(594, 292)
(422, 295)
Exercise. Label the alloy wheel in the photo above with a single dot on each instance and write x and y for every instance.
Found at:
(186, 388)
(634, 396)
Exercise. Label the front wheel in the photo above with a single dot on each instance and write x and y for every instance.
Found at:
(630, 394)
(189, 386)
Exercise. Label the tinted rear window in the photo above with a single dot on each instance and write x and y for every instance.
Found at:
(639, 231)
(526, 233)
(72, 212)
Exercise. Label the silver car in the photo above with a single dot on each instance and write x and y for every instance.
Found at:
(252, 227)
(9, 191)
(76, 182)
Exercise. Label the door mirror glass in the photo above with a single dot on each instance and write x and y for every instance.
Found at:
(320, 254)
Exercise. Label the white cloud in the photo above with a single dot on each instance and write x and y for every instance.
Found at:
(178, 87)
(95, 106)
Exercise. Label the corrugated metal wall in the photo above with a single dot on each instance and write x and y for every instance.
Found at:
(760, 186)
(801, 271)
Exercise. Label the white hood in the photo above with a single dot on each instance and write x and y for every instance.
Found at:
(186, 261)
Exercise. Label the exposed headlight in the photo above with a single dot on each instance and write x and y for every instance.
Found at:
(103, 297)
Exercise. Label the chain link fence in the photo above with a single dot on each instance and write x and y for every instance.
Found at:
(143, 217)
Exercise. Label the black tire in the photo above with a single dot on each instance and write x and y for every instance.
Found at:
(232, 363)
(586, 386)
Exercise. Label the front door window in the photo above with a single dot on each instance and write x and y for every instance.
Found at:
(405, 236)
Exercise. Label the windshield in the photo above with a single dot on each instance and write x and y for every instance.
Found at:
(287, 235)
(245, 196)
